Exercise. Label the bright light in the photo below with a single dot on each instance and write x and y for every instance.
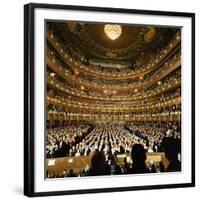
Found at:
(112, 31)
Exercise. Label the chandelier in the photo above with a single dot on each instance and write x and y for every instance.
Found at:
(112, 31)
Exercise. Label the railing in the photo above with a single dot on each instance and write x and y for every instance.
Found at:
(164, 116)
(157, 76)
(58, 165)
(91, 70)
(97, 108)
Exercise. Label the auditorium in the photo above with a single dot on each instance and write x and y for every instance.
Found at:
(112, 99)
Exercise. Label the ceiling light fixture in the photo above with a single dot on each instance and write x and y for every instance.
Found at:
(112, 31)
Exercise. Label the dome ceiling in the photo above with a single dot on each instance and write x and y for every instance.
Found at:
(132, 46)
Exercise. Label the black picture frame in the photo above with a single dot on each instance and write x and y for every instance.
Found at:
(29, 108)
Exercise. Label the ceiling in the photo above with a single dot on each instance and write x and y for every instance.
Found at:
(134, 45)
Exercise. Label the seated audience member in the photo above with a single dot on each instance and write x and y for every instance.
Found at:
(98, 164)
(172, 148)
(138, 157)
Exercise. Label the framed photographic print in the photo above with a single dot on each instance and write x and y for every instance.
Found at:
(109, 99)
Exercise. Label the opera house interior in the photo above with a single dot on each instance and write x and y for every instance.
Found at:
(113, 99)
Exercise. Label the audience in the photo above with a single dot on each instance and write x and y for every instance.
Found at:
(61, 142)
(104, 142)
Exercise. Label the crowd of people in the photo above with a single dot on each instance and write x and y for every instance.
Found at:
(106, 165)
(109, 138)
(104, 142)
(114, 139)
(153, 134)
(60, 140)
